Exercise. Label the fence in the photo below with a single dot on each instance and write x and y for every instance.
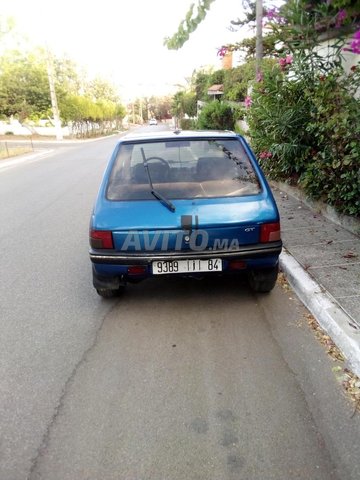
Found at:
(14, 148)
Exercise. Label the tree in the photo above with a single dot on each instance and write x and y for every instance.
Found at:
(24, 87)
(189, 25)
(184, 103)
(201, 83)
(161, 107)
(100, 89)
(248, 46)
(303, 114)
(25, 94)
(6, 25)
(236, 81)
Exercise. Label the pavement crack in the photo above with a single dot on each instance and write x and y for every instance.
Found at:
(46, 437)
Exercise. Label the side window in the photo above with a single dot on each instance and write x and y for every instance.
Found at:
(121, 172)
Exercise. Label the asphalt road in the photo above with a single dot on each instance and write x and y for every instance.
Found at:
(178, 379)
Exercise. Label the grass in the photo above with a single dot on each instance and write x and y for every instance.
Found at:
(13, 151)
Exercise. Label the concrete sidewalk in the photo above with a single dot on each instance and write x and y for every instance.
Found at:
(322, 263)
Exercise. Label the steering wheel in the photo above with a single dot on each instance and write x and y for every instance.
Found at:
(159, 159)
(163, 161)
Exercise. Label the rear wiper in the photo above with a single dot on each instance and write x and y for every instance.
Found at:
(154, 192)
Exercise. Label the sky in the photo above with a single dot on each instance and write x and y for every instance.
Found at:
(122, 40)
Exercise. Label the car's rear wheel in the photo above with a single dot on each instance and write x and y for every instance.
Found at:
(109, 293)
(264, 280)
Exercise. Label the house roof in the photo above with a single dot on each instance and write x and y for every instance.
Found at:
(217, 89)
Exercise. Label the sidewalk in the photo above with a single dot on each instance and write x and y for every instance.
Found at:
(322, 263)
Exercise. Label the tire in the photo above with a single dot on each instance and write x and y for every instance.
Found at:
(109, 293)
(263, 281)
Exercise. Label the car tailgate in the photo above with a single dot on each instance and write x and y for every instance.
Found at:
(149, 225)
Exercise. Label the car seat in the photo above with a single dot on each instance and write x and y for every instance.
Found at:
(158, 173)
(215, 168)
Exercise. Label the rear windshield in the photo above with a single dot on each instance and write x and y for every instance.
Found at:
(182, 169)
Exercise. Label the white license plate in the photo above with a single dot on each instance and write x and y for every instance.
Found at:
(187, 266)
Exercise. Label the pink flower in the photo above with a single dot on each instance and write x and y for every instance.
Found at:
(274, 16)
(282, 63)
(265, 154)
(272, 13)
(259, 77)
(248, 102)
(355, 44)
(340, 18)
(222, 51)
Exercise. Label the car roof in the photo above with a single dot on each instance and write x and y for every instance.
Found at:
(177, 134)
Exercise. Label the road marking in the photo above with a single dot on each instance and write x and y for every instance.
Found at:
(8, 164)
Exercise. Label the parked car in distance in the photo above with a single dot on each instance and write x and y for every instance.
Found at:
(183, 203)
(152, 121)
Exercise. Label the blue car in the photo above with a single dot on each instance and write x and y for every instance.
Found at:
(183, 203)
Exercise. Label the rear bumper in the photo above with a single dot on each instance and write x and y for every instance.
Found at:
(146, 258)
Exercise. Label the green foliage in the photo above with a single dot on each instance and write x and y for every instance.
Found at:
(236, 81)
(24, 86)
(201, 83)
(276, 119)
(188, 124)
(216, 77)
(99, 89)
(25, 93)
(249, 10)
(239, 112)
(216, 116)
(184, 103)
(248, 46)
(189, 25)
(161, 107)
(334, 172)
(304, 117)
(7, 25)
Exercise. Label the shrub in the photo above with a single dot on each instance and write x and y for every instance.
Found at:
(187, 124)
(216, 115)
(333, 171)
(279, 110)
(304, 118)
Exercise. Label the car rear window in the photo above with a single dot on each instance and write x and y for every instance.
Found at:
(182, 169)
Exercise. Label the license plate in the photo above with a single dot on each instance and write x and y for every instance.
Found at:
(187, 266)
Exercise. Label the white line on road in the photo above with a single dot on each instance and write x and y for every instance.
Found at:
(7, 164)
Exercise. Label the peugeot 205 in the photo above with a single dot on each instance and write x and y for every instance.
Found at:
(183, 203)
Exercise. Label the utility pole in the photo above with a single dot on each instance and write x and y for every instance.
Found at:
(54, 104)
(259, 41)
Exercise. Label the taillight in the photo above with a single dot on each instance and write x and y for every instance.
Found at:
(270, 232)
(237, 265)
(136, 270)
(101, 239)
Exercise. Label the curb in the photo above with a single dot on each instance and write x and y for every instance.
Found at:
(327, 312)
